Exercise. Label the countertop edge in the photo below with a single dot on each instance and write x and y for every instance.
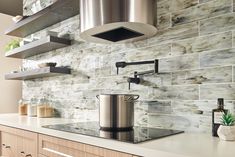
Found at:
(172, 146)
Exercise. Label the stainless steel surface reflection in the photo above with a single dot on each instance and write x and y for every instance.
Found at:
(137, 135)
(134, 17)
(118, 135)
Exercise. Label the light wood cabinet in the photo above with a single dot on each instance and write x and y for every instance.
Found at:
(40, 155)
(21, 143)
(9, 145)
(18, 143)
(55, 147)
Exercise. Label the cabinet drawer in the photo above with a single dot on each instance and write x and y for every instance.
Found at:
(55, 147)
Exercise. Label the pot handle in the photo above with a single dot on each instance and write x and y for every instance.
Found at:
(137, 97)
(98, 97)
(130, 98)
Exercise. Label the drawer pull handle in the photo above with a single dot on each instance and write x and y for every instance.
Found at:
(56, 152)
(28, 155)
(22, 153)
(7, 146)
(3, 145)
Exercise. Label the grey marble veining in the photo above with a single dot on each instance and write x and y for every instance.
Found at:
(204, 1)
(204, 43)
(166, 6)
(217, 58)
(179, 63)
(163, 21)
(178, 32)
(209, 75)
(214, 91)
(161, 107)
(221, 23)
(205, 10)
(149, 53)
(194, 45)
(233, 73)
(174, 93)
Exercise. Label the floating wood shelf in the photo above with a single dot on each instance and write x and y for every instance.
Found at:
(38, 73)
(37, 47)
(57, 12)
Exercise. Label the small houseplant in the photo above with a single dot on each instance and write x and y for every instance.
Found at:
(226, 131)
(12, 45)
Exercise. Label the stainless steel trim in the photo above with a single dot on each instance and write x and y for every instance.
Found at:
(99, 16)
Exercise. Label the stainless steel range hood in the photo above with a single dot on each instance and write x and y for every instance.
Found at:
(117, 21)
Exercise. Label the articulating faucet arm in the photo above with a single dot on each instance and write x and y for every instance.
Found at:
(136, 78)
(124, 64)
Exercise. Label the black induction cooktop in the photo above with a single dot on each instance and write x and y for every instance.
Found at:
(137, 135)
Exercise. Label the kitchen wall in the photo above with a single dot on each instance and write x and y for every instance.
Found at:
(11, 91)
(197, 56)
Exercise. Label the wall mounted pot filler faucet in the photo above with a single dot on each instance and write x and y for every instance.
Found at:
(136, 78)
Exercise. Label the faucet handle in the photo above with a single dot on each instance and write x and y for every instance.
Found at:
(120, 65)
(134, 79)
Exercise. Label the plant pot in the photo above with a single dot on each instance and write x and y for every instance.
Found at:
(226, 133)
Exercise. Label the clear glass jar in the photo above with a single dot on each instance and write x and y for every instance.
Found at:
(44, 110)
(22, 107)
(32, 108)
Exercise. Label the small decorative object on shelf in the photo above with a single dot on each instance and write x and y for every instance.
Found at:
(58, 11)
(12, 45)
(52, 33)
(38, 46)
(18, 18)
(24, 42)
(49, 64)
(226, 131)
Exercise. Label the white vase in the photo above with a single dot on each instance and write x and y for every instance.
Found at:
(226, 133)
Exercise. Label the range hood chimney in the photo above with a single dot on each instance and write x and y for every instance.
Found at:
(117, 21)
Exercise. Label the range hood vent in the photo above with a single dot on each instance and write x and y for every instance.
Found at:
(117, 21)
(118, 34)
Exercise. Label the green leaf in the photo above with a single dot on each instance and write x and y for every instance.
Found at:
(12, 45)
(228, 119)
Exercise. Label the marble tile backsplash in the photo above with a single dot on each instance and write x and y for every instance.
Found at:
(195, 46)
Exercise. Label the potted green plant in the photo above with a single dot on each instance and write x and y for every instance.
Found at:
(226, 131)
(12, 45)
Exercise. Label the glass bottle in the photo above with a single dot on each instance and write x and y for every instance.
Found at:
(217, 116)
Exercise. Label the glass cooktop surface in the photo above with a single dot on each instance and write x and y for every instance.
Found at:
(137, 135)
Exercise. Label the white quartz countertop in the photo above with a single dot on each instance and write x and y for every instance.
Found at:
(181, 145)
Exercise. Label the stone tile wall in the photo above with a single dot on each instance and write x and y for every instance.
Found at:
(195, 45)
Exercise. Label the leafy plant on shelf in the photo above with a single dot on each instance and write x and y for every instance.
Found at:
(12, 45)
(228, 119)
